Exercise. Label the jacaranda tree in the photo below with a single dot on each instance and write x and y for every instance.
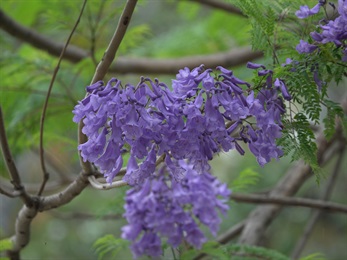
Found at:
(156, 140)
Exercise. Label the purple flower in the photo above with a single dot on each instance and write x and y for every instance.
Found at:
(202, 115)
(304, 47)
(280, 85)
(252, 65)
(305, 11)
(164, 208)
(342, 9)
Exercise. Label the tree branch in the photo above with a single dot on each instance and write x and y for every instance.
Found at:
(45, 105)
(288, 201)
(39, 41)
(104, 65)
(84, 216)
(124, 65)
(65, 196)
(105, 186)
(10, 164)
(10, 194)
(22, 234)
(221, 5)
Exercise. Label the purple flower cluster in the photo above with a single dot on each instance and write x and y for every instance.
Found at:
(334, 31)
(163, 207)
(203, 114)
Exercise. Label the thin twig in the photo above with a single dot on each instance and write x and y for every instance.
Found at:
(316, 214)
(9, 194)
(33, 187)
(105, 63)
(105, 186)
(222, 5)
(10, 164)
(84, 216)
(42, 122)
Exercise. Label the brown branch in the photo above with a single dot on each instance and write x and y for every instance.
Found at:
(289, 201)
(84, 216)
(116, 40)
(230, 58)
(45, 105)
(129, 65)
(10, 164)
(105, 64)
(39, 41)
(10, 194)
(221, 5)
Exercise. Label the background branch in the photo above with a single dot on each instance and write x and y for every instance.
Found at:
(45, 105)
(229, 58)
(222, 5)
(10, 164)
(288, 201)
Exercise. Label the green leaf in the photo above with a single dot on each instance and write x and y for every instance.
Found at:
(248, 177)
(315, 256)
(108, 244)
(5, 244)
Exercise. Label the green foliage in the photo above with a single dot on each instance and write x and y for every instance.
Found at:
(246, 178)
(235, 252)
(307, 77)
(299, 140)
(246, 252)
(109, 245)
(133, 37)
(334, 111)
(315, 256)
(5, 244)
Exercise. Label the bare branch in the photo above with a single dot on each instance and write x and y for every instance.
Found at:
(22, 232)
(10, 194)
(288, 201)
(10, 164)
(84, 216)
(221, 5)
(39, 41)
(65, 196)
(33, 187)
(45, 105)
(234, 57)
(116, 40)
(105, 186)
(105, 63)
(230, 58)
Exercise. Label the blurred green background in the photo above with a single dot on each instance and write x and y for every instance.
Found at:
(159, 29)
